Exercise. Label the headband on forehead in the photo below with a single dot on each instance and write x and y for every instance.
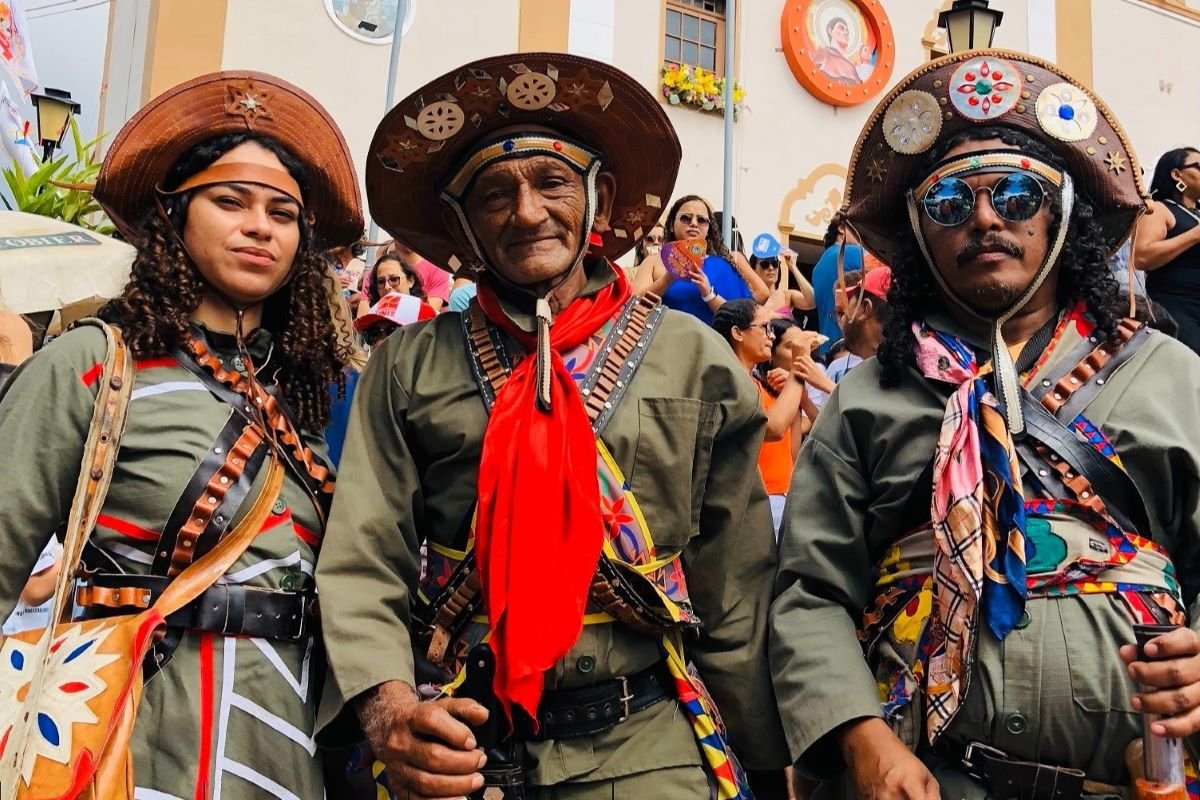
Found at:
(238, 172)
(580, 158)
(997, 161)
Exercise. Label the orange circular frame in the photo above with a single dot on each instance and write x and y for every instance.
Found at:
(841, 67)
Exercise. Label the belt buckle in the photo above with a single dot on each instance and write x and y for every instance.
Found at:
(974, 771)
(626, 698)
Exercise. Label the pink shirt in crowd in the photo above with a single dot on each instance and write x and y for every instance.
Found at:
(435, 280)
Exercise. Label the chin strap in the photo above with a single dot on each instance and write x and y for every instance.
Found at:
(545, 318)
(1008, 382)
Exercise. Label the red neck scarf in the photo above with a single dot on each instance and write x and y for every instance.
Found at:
(538, 534)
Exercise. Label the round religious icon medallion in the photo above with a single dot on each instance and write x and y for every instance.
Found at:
(841, 51)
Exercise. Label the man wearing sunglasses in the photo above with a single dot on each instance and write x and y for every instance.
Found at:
(987, 507)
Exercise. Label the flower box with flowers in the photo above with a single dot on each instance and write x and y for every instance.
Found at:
(698, 88)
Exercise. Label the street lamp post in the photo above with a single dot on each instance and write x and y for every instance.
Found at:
(54, 110)
(970, 24)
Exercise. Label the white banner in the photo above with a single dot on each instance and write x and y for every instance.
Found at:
(16, 51)
(16, 133)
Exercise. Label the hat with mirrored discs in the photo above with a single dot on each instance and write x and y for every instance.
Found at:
(422, 142)
(987, 88)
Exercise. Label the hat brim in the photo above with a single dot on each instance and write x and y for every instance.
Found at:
(932, 104)
(227, 102)
(421, 141)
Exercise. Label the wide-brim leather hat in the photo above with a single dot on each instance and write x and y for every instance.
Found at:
(985, 88)
(421, 141)
(226, 102)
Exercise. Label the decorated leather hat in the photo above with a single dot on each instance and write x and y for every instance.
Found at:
(146, 148)
(425, 140)
(986, 88)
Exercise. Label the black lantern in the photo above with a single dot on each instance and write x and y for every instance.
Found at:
(54, 110)
(970, 24)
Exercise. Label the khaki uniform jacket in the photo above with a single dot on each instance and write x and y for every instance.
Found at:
(686, 435)
(1054, 691)
(238, 713)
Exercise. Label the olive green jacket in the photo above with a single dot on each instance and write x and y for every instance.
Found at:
(686, 435)
(1053, 691)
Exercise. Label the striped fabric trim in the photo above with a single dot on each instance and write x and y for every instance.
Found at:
(126, 528)
(167, 388)
(156, 363)
(92, 374)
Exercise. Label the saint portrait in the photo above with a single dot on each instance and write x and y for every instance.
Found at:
(843, 45)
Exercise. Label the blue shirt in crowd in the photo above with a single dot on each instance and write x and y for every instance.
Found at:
(683, 295)
(825, 275)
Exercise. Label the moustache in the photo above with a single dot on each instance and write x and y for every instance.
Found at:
(989, 243)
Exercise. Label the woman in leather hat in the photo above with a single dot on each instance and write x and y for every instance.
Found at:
(231, 186)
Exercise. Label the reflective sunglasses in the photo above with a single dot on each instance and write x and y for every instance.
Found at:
(700, 219)
(1017, 196)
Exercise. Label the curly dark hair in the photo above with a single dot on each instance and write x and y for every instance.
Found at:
(165, 289)
(716, 245)
(373, 293)
(1083, 264)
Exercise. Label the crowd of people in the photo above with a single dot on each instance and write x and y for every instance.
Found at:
(698, 527)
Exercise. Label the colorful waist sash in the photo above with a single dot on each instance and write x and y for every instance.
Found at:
(1075, 552)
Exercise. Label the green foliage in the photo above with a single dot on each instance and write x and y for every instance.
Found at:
(39, 194)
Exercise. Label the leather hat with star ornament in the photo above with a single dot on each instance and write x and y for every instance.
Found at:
(421, 143)
(988, 88)
(146, 148)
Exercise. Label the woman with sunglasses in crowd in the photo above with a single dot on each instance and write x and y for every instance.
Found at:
(1168, 241)
(748, 328)
(650, 245)
(723, 276)
(784, 301)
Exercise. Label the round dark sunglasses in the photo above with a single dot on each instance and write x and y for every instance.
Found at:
(1017, 196)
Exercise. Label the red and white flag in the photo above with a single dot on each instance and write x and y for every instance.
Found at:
(16, 51)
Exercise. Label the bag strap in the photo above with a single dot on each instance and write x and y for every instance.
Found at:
(204, 571)
(99, 457)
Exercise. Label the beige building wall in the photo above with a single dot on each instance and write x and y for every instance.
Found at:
(1146, 60)
(790, 149)
(298, 41)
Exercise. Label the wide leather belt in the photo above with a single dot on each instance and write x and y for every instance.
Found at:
(230, 609)
(591, 710)
(1008, 778)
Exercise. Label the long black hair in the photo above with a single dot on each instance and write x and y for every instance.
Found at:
(1163, 186)
(1083, 264)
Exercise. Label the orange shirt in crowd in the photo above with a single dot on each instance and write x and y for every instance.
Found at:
(775, 458)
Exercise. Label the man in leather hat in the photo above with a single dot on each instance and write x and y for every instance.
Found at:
(988, 506)
(574, 462)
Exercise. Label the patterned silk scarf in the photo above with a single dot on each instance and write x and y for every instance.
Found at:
(978, 517)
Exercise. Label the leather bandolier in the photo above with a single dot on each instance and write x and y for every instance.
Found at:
(205, 512)
(620, 592)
